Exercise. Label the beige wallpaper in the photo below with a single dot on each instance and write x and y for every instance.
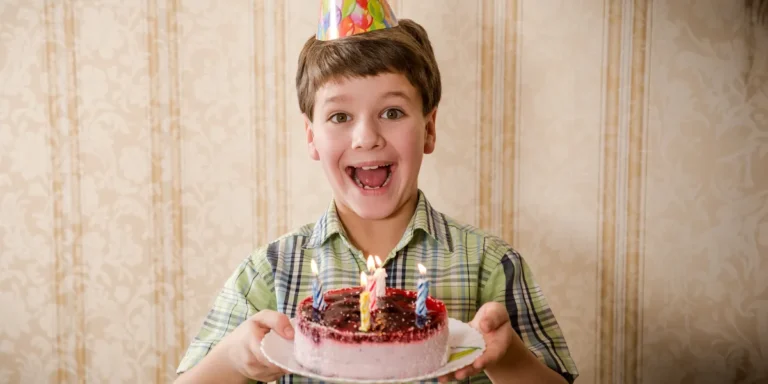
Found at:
(705, 292)
(621, 146)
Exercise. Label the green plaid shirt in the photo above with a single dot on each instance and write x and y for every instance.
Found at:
(466, 268)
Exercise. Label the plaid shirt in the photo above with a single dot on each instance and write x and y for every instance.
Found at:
(466, 268)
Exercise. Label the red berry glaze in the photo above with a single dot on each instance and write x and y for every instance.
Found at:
(394, 321)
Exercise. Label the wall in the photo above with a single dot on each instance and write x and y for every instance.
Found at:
(146, 148)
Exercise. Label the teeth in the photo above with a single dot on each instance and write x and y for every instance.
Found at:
(360, 183)
(370, 167)
(389, 176)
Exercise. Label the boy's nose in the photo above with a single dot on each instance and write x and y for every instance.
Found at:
(366, 136)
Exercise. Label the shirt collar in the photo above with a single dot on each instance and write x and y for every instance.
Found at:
(327, 226)
(425, 218)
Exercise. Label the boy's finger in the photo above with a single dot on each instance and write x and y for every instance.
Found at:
(459, 374)
(277, 322)
(495, 316)
(255, 343)
(446, 378)
(271, 369)
(482, 361)
(492, 353)
(466, 372)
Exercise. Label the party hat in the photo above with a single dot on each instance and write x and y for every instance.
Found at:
(341, 18)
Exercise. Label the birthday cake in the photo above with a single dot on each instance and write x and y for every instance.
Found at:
(391, 341)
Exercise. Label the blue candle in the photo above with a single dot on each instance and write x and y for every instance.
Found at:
(318, 301)
(422, 291)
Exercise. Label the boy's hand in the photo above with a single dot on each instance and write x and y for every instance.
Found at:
(492, 320)
(244, 345)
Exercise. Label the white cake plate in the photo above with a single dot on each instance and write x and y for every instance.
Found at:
(465, 342)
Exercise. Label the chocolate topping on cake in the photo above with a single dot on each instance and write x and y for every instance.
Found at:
(394, 320)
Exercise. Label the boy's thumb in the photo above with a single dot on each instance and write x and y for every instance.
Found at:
(494, 316)
(277, 322)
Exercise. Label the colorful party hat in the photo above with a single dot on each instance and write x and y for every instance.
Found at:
(341, 18)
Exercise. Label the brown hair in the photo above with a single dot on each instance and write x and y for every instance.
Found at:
(404, 49)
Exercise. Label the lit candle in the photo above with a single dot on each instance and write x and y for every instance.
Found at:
(371, 269)
(318, 301)
(377, 285)
(365, 311)
(380, 276)
(422, 291)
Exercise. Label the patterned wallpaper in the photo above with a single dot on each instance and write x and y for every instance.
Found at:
(620, 146)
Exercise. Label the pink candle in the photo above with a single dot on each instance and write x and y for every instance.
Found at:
(377, 284)
(371, 269)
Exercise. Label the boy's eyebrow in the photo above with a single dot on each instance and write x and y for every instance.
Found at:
(335, 98)
(342, 97)
(400, 94)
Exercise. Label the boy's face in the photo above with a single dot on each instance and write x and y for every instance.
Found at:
(370, 136)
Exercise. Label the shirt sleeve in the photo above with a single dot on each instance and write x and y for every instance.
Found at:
(510, 282)
(247, 291)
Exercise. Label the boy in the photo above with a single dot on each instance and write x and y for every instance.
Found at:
(368, 88)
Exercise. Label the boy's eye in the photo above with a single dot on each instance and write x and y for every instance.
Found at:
(392, 114)
(339, 118)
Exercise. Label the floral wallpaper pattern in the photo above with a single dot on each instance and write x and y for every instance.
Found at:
(620, 146)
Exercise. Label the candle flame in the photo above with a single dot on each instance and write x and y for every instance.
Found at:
(422, 269)
(371, 265)
(314, 267)
(363, 279)
(378, 261)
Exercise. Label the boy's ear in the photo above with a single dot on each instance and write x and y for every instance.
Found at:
(430, 132)
(313, 154)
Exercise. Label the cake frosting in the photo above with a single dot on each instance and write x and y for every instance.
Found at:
(398, 344)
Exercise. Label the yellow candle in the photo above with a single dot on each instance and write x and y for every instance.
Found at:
(365, 312)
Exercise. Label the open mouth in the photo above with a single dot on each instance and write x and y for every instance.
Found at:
(371, 177)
